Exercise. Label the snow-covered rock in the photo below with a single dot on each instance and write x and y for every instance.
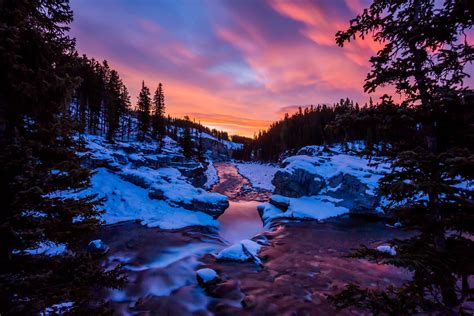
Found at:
(125, 201)
(309, 207)
(191, 198)
(98, 246)
(156, 185)
(242, 251)
(315, 171)
(387, 249)
(206, 275)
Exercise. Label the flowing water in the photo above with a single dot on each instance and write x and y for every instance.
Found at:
(303, 261)
(160, 265)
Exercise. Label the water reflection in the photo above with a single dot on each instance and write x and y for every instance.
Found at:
(240, 221)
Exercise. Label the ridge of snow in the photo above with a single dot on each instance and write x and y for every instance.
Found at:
(318, 207)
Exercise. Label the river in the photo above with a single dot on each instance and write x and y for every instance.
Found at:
(303, 262)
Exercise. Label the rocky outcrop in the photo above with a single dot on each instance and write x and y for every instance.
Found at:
(346, 180)
(195, 174)
(353, 193)
(298, 183)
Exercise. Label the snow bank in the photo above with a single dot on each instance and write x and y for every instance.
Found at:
(318, 207)
(259, 175)
(242, 251)
(141, 182)
(126, 201)
(47, 248)
(186, 193)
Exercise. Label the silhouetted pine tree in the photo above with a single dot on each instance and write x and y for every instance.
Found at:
(113, 106)
(159, 119)
(37, 160)
(186, 140)
(143, 111)
(424, 53)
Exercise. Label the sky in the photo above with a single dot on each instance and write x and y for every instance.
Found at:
(234, 65)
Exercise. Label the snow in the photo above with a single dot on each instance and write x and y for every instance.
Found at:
(97, 243)
(211, 175)
(329, 165)
(206, 275)
(259, 175)
(387, 249)
(318, 207)
(57, 309)
(127, 186)
(47, 248)
(186, 193)
(242, 251)
(125, 201)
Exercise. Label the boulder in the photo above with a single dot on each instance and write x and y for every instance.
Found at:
(205, 276)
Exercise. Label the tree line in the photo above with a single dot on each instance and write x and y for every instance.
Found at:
(102, 104)
(318, 125)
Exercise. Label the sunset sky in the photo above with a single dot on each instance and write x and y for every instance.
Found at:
(234, 65)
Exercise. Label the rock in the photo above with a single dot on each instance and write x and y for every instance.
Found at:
(229, 289)
(297, 183)
(97, 246)
(280, 202)
(195, 175)
(353, 194)
(94, 163)
(205, 276)
(121, 159)
(213, 209)
(249, 301)
(135, 179)
(245, 250)
(198, 203)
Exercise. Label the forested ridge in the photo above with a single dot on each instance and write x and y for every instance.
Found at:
(382, 123)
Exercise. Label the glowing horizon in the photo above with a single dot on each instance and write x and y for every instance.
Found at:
(233, 65)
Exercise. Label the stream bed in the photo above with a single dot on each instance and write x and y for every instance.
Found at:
(303, 261)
